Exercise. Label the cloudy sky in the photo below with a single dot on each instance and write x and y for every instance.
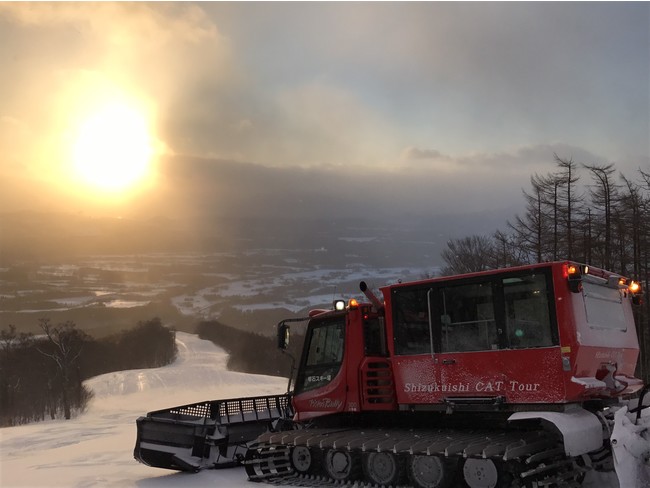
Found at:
(425, 107)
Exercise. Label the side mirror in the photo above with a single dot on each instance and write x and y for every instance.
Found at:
(283, 335)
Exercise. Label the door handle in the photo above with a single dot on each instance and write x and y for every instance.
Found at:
(448, 361)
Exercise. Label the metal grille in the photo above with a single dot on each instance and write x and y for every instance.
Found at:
(232, 410)
(196, 410)
(378, 384)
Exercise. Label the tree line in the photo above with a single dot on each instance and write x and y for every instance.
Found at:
(588, 213)
(41, 376)
(250, 352)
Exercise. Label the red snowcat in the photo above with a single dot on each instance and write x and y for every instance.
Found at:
(491, 379)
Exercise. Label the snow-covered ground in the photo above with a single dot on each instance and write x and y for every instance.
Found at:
(96, 449)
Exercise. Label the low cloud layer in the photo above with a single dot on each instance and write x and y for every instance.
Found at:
(437, 184)
(316, 109)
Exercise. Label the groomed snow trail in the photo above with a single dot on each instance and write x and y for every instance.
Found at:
(96, 448)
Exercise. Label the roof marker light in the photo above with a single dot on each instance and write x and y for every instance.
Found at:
(339, 305)
(574, 275)
(615, 281)
(636, 290)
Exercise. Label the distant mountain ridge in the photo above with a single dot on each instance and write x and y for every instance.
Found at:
(52, 237)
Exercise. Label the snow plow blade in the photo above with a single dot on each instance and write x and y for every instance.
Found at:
(210, 434)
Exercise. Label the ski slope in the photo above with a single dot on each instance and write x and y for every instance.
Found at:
(96, 448)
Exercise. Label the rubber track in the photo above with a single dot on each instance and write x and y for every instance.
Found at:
(307, 481)
(540, 454)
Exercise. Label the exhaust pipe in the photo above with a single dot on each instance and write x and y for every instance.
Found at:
(371, 296)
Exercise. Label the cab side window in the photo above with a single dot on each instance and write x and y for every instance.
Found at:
(374, 337)
(411, 309)
(528, 322)
(467, 319)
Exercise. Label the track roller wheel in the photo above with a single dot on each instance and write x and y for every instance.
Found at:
(340, 465)
(429, 472)
(382, 468)
(480, 473)
(484, 473)
(301, 459)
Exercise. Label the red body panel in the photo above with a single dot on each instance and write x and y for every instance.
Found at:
(513, 375)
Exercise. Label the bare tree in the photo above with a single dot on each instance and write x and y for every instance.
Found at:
(467, 255)
(531, 229)
(506, 251)
(66, 343)
(646, 177)
(603, 197)
(568, 176)
(638, 195)
(553, 185)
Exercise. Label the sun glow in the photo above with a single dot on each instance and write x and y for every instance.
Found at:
(113, 148)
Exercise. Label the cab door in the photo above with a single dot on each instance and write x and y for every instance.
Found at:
(467, 338)
(446, 341)
(321, 386)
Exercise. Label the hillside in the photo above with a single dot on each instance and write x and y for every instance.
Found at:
(96, 449)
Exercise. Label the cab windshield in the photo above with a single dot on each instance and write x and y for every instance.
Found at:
(324, 353)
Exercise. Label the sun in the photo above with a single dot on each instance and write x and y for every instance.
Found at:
(113, 148)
